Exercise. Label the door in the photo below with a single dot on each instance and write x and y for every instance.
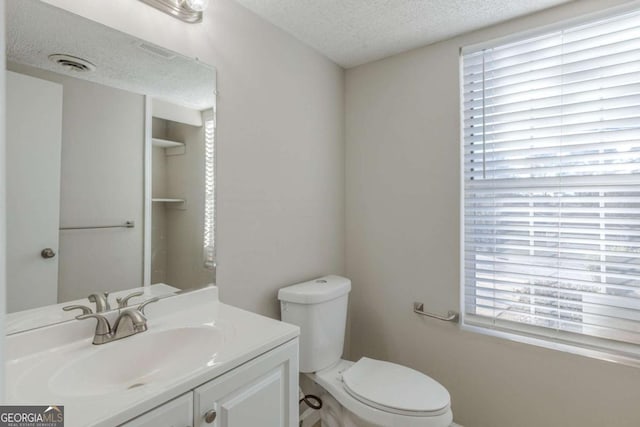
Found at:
(262, 393)
(34, 138)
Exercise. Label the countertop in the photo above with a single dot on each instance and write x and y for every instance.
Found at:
(32, 355)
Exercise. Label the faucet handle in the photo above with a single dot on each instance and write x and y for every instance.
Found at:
(147, 302)
(101, 300)
(107, 307)
(84, 308)
(102, 327)
(124, 301)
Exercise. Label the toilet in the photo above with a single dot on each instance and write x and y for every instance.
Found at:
(366, 393)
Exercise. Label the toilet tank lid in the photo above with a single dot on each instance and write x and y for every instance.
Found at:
(315, 291)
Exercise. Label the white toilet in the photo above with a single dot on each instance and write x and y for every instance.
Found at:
(365, 393)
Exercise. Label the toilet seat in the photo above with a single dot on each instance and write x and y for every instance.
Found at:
(331, 380)
(395, 388)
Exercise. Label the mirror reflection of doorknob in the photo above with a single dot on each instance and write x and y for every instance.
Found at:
(47, 253)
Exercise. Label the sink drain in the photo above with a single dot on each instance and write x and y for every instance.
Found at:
(135, 385)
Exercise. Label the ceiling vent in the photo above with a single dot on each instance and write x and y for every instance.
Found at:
(72, 63)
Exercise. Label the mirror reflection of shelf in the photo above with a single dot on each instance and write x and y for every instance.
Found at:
(170, 203)
(171, 148)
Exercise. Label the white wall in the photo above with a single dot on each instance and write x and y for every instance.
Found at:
(280, 150)
(3, 228)
(101, 184)
(402, 163)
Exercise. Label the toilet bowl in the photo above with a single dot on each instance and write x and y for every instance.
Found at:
(366, 393)
(369, 397)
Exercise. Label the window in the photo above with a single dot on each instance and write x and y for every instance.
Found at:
(551, 217)
(208, 117)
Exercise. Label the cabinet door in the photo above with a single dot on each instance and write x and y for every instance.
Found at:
(262, 392)
(176, 413)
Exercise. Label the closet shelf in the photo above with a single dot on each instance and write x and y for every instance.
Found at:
(171, 148)
(165, 143)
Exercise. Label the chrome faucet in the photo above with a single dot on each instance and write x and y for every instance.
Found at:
(130, 322)
(101, 300)
(84, 308)
(124, 301)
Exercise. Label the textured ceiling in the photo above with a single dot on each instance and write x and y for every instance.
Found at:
(36, 30)
(353, 32)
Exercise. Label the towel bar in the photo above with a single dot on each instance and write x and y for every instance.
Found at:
(128, 224)
(418, 308)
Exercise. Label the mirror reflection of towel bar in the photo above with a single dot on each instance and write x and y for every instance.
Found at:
(128, 224)
(418, 308)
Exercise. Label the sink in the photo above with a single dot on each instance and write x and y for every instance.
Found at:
(147, 359)
(192, 339)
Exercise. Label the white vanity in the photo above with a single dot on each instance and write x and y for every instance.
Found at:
(200, 363)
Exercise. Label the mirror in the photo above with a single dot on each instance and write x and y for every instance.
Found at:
(111, 167)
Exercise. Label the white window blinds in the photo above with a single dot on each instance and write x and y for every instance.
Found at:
(208, 117)
(551, 219)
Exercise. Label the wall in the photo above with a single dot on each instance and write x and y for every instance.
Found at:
(402, 163)
(186, 173)
(177, 235)
(3, 228)
(280, 151)
(101, 183)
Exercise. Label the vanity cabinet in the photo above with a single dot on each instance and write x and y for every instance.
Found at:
(176, 413)
(261, 392)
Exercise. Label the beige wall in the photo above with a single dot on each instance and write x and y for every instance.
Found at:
(280, 151)
(402, 180)
(177, 230)
(186, 179)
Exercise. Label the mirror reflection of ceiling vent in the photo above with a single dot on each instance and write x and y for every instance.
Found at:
(72, 63)
(155, 50)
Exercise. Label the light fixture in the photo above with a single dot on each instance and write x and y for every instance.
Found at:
(196, 5)
(186, 10)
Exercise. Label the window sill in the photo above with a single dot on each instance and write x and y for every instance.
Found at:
(592, 353)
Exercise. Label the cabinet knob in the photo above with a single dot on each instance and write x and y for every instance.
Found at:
(210, 416)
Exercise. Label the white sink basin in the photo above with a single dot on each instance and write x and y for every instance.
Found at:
(147, 359)
(192, 339)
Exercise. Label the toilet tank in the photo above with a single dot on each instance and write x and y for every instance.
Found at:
(319, 308)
